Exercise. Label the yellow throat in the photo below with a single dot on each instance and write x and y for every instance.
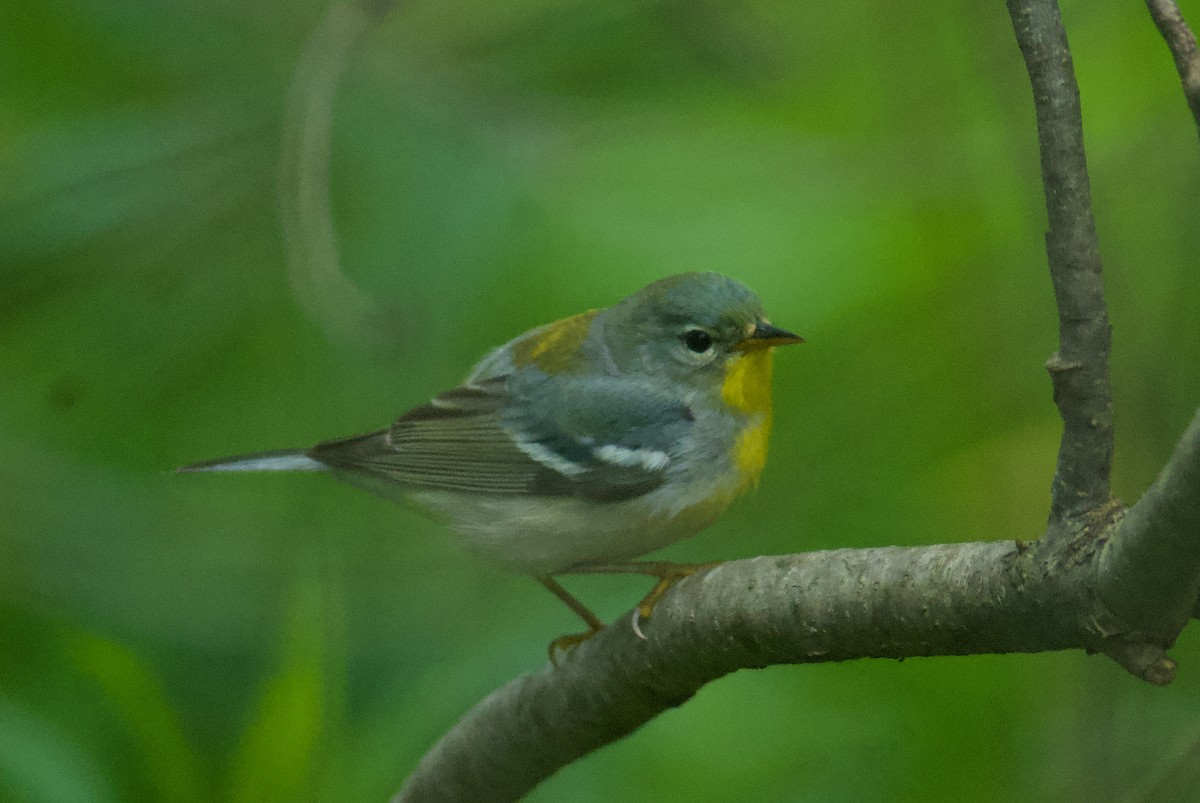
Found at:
(747, 389)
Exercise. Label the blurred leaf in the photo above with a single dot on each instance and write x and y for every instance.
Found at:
(275, 761)
(133, 689)
(39, 764)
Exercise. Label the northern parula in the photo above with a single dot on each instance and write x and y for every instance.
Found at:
(583, 443)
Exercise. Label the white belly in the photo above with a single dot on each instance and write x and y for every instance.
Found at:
(545, 535)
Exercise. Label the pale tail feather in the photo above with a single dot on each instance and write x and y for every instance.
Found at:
(277, 460)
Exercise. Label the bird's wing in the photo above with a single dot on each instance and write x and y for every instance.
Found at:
(603, 440)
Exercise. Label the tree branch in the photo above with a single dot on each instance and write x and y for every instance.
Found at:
(1182, 43)
(1079, 369)
(892, 602)
(1151, 564)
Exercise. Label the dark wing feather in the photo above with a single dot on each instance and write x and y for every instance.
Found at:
(454, 442)
(475, 439)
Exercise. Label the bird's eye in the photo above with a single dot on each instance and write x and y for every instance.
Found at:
(697, 340)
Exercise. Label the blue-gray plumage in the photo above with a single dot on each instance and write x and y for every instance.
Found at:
(591, 440)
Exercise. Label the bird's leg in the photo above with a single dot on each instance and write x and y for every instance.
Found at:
(593, 622)
(668, 574)
(564, 644)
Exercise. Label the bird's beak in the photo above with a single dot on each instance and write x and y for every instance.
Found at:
(764, 336)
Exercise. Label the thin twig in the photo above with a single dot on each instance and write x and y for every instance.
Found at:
(1079, 369)
(1182, 42)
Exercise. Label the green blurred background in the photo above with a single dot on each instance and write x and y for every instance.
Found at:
(870, 169)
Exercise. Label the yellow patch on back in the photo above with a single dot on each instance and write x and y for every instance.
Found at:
(747, 389)
(555, 347)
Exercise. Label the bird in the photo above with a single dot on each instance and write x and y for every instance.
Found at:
(585, 443)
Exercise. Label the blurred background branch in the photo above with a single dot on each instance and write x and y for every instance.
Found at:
(346, 314)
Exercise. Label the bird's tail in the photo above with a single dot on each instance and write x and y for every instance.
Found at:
(277, 460)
